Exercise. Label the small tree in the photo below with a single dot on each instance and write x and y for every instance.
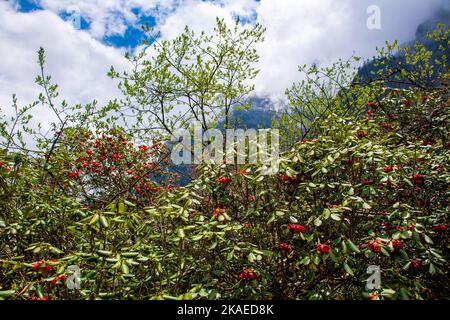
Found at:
(191, 78)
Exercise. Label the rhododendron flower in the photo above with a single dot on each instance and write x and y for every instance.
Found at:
(386, 125)
(61, 277)
(373, 246)
(407, 103)
(388, 169)
(247, 225)
(243, 172)
(362, 134)
(416, 264)
(297, 228)
(218, 212)
(89, 152)
(37, 265)
(397, 244)
(1, 164)
(43, 298)
(74, 174)
(425, 98)
(372, 105)
(397, 167)
(248, 275)
(224, 180)
(417, 178)
(440, 227)
(285, 246)
(323, 248)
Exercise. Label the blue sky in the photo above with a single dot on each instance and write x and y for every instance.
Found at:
(298, 32)
(131, 38)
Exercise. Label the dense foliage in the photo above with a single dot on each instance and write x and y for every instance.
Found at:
(367, 187)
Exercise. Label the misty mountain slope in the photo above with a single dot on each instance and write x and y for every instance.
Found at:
(368, 71)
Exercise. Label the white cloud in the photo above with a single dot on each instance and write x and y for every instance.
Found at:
(322, 31)
(76, 61)
(305, 32)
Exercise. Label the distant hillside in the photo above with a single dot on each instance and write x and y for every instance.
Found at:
(260, 115)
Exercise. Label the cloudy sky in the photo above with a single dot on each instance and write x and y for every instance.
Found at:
(298, 32)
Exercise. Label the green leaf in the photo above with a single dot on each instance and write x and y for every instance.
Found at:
(396, 235)
(7, 293)
(317, 222)
(94, 219)
(121, 207)
(383, 250)
(432, 269)
(104, 253)
(104, 221)
(39, 291)
(125, 268)
(427, 239)
(366, 206)
(348, 269)
(336, 217)
(352, 246)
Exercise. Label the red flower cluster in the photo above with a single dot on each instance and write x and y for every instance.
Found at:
(373, 246)
(297, 228)
(285, 246)
(74, 174)
(286, 178)
(61, 277)
(386, 125)
(440, 227)
(43, 298)
(323, 248)
(41, 264)
(372, 105)
(388, 169)
(218, 212)
(416, 264)
(243, 172)
(110, 159)
(407, 102)
(425, 98)
(37, 265)
(248, 275)
(397, 244)
(362, 134)
(417, 178)
(224, 180)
